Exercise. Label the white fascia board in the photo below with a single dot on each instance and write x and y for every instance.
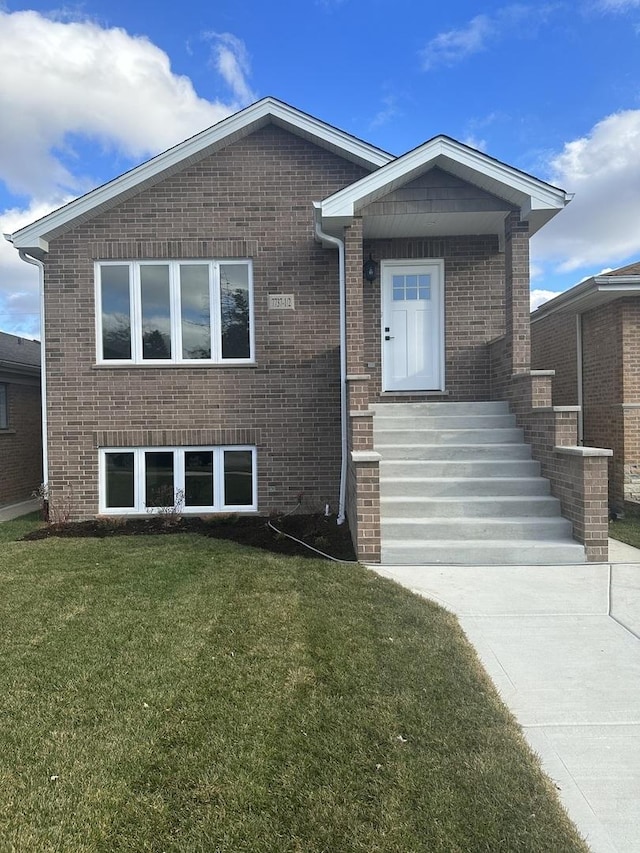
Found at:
(589, 294)
(539, 195)
(241, 123)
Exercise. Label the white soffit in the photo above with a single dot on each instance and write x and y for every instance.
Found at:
(269, 110)
(537, 200)
(589, 294)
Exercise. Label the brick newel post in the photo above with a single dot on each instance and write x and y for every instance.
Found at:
(516, 259)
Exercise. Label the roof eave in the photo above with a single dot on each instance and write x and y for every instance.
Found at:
(35, 236)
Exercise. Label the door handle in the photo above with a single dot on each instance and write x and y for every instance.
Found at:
(389, 337)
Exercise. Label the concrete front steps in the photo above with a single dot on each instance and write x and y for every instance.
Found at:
(458, 486)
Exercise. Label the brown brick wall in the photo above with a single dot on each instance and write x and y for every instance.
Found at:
(253, 198)
(553, 347)
(474, 308)
(603, 389)
(21, 444)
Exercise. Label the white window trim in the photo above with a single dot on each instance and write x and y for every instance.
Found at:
(140, 508)
(135, 313)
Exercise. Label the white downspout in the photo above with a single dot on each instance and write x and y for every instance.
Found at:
(43, 372)
(579, 377)
(336, 241)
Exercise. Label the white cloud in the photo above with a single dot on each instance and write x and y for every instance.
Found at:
(19, 297)
(539, 297)
(452, 46)
(103, 84)
(232, 63)
(475, 142)
(617, 5)
(600, 225)
(388, 110)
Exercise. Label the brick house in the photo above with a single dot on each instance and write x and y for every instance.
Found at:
(227, 324)
(20, 419)
(590, 336)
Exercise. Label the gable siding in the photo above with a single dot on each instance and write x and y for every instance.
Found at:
(254, 199)
(436, 191)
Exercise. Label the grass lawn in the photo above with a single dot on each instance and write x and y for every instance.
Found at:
(626, 530)
(184, 694)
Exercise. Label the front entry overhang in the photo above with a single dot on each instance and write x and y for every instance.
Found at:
(406, 198)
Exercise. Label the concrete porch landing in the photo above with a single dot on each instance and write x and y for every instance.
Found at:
(562, 645)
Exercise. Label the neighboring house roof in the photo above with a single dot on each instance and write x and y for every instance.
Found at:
(537, 200)
(34, 238)
(19, 355)
(597, 290)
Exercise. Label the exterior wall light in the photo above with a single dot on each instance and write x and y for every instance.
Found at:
(369, 269)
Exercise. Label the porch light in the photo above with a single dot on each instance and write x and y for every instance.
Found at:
(369, 269)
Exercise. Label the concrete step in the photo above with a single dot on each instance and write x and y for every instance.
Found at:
(434, 487)
(479, 452)
(503, 529)
(404, 463)
(443, 422)
(417, 436)
(482, 552)
(458, 408)
(506, 507)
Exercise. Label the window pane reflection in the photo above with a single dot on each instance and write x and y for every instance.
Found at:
(119, 479)
(198, 478)
(159, 489)
(116, 311)
(156, 311)
(238, 477)
(195, 311)
(234, 310)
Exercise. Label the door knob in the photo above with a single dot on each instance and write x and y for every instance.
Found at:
(388, 337)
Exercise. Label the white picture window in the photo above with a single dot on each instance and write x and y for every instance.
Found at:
(189, 479)
(164, 312)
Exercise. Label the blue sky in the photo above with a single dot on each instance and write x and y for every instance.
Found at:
(551, 88)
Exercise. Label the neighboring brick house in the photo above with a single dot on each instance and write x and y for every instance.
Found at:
(207, 345)
(20, 419)
(590, 336)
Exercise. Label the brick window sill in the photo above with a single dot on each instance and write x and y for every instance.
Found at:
(7, 432)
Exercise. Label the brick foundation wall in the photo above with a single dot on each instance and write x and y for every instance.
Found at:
(252, 199)
(21, 444)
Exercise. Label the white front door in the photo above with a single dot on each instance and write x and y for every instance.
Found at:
(412, 325)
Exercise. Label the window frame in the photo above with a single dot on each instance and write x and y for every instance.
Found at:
(4, 405)
(175, 322)
(139, 471)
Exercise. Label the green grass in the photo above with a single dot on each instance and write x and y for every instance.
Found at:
(182, 694)
(626, 530)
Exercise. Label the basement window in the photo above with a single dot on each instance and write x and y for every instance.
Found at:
(194, 480)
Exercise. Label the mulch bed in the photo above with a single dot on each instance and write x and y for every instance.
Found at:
(318, 531)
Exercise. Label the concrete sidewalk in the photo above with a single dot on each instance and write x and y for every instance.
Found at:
(18, 510)
(562, 646)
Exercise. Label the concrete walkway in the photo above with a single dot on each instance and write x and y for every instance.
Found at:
(562, 645)
(16, 510)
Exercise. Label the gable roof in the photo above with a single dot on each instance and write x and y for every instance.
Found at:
(537, 200)
(19, 355)
(595, 291)
(34, 238)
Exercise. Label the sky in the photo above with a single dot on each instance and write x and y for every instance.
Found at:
(91, 89)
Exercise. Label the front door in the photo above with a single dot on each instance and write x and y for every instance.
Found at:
(412, 325)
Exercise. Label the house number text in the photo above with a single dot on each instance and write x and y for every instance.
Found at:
(281, 301)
